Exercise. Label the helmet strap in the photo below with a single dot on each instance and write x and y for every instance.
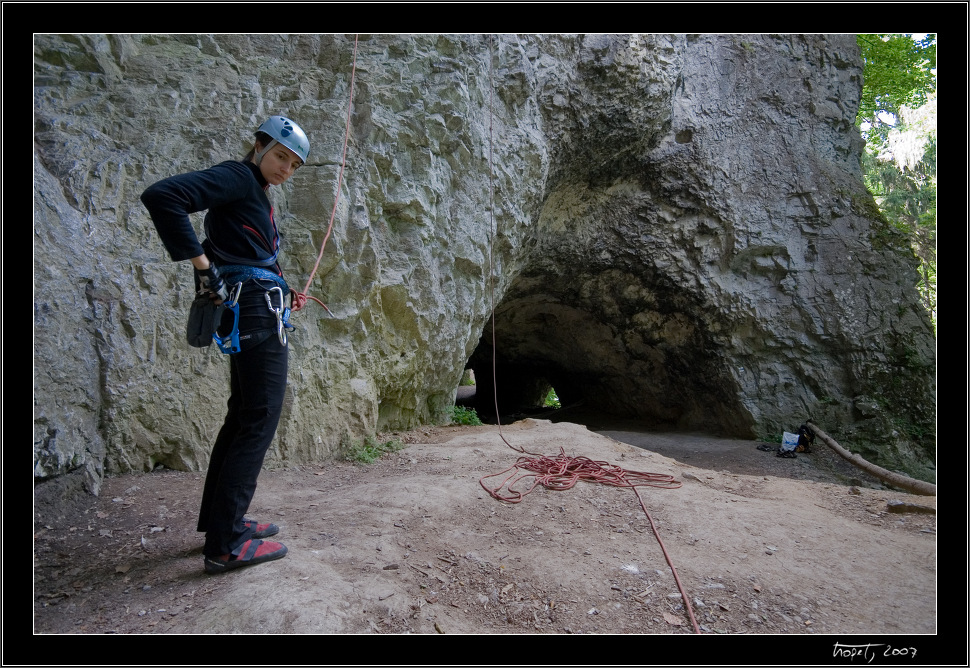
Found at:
(259, 156)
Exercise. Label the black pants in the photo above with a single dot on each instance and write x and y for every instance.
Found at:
(258, 384)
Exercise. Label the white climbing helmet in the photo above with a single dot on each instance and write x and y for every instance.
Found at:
(287, 133)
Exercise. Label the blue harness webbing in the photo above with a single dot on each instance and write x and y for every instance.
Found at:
(240, 273)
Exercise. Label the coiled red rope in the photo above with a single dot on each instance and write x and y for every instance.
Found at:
(562, 472)
(300, 298)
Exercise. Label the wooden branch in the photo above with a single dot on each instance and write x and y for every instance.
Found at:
(895, 479)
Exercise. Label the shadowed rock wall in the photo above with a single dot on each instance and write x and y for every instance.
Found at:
(680, 233)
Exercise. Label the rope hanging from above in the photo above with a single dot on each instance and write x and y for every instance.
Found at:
(300, 298)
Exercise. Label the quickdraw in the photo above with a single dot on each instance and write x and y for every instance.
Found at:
(282, 314)
(229, 343)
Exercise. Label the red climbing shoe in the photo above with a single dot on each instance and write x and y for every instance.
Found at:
(253, 552)
(261, 530)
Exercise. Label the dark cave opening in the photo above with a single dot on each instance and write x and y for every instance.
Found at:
(520, 388)
(602, 372)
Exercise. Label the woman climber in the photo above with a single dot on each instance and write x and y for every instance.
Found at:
(237, 266)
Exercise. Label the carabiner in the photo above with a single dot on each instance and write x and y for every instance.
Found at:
(282, 314)
(234, 295)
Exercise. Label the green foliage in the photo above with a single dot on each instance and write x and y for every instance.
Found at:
(899, 71)
(466, 416)
(898, 117)
(551, 400)
(369, 450)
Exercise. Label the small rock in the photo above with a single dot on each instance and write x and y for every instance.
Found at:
(903, 507)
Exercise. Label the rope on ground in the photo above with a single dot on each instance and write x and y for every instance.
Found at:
(300, 298)
(562, 472)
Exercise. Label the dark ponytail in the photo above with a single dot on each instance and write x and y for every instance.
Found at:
(263, 140)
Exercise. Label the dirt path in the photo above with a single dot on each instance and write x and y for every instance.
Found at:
(413, 543)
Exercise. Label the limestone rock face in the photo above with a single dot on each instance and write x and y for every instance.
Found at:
(672, 228)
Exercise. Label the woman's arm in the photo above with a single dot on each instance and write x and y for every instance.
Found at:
(201, 262)
(170, 201)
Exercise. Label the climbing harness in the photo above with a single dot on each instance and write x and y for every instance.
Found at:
(234, 273)
(229, 344)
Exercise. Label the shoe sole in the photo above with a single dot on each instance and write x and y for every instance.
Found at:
(213, 567)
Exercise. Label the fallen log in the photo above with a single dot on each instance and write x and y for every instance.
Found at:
(895, 479)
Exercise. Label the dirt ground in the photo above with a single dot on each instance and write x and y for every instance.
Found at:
(413, 543)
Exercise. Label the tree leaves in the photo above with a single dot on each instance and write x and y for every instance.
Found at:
(898, 71)
(897, 115)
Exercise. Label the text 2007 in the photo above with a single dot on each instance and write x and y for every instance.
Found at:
(868, 652)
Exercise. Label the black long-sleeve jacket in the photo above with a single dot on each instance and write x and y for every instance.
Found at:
(239, 223)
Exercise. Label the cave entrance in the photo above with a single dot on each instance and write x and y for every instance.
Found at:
(522, 391)
(543, 399)
(655, 366)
